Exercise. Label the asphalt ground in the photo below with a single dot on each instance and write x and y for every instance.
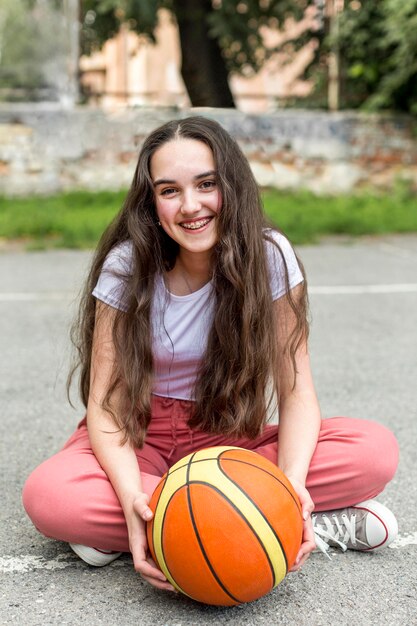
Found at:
(363, 296)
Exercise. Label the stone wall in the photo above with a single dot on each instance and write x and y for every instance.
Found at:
(44, 149)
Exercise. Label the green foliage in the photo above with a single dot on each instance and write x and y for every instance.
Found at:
(101, 19)
(77, 219)
(31, 44)
(378, 51)
(17, 39)
(236, 24)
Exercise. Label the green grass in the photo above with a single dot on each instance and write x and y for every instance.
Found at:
(77, 219)
(70, 220)
(305, 217)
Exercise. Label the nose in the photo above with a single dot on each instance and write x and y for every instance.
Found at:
(190, 203)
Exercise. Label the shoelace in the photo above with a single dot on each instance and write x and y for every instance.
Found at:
(336, 531)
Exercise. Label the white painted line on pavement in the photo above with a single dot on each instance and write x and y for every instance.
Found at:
(408, 539)
(331, 290)
(397, 250)
(28, 563)
(321, 290)
(38, 296)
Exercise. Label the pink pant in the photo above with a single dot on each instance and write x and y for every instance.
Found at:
(69, 497)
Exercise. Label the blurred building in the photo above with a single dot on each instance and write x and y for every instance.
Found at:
(131, 71)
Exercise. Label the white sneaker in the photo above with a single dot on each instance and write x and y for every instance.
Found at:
(94, 556)
(366, 526)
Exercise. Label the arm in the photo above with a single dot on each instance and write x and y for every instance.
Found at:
(299, 421)
(117, 460)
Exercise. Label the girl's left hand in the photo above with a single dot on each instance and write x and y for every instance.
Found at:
(308, 541)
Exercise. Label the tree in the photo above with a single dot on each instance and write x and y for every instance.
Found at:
(16, 47)
(377, 43)
(217, 37)
(32, 51)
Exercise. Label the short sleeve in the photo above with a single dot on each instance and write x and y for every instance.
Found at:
(275, 259)
(117, 267)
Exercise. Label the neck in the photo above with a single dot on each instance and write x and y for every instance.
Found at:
(197, 268)
(189, 274)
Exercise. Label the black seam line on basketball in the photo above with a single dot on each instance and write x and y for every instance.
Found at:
(265, 472)
(153, 520)
(197, 534)
(174, 469)
(161, 492)
(216, 458)
(162, 541)
(253, 529)
(167, 507)
(187, 476)
(200, 543)
(221, 493)
(265, 518)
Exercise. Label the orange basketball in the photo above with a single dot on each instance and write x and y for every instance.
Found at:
(227, 525)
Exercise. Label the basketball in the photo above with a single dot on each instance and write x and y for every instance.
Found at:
(227, 526)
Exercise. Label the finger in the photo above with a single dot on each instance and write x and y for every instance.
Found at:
(149, 572)
(299, 556)
(308, 508)
(309, 539)
(152, 562)
(302, 557)
(299, 564)
(146, 513)
(141, 507)
(165, 586)
(146, 569)
(308, 545)
(138, 552)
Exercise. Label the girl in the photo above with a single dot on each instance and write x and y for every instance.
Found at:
(192, 321)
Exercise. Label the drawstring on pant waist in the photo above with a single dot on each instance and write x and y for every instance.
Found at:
(191, 434)
(174, 419)
(178, 408)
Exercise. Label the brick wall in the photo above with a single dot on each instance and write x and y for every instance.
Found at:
(44, 149)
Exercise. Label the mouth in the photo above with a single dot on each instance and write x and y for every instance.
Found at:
(196, 224)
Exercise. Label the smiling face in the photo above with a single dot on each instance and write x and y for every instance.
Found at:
(187, 197)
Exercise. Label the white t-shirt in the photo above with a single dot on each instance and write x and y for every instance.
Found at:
(180, 324)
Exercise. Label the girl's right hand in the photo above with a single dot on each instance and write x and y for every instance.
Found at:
(308, 541)
(138, 544)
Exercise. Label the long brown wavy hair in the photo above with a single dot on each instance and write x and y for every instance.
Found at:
(242, 356)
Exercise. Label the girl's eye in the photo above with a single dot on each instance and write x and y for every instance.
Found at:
(208, 184)
(167, 192)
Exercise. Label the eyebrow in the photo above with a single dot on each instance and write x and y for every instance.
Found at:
(169, 181)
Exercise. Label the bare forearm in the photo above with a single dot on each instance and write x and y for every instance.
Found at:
(118, 461)
(299, 426)
(299, 412)
(121, 466)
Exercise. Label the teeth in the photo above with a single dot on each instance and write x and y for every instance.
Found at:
(195, 225)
